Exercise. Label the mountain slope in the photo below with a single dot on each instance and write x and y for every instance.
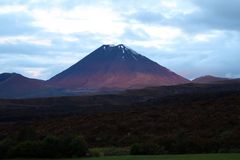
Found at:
(115, 67)
(209, 79)
(15, 85)
(5, 76)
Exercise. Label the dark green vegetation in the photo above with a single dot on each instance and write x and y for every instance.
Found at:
(48, 147)
(165, 120)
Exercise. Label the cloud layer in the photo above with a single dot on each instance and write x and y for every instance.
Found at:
(191, 37)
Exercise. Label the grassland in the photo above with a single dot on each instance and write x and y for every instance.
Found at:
(173, 157)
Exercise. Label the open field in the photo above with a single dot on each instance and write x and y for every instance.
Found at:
(173, 157)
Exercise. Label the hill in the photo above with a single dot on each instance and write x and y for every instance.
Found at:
(210, 79)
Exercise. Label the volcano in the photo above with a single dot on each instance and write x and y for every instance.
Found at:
(115, 67)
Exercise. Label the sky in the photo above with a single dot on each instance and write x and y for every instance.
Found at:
(40, 38)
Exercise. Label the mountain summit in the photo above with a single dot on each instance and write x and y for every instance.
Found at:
(112, 66)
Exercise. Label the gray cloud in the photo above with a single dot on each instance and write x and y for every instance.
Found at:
(214, 14)
(149, 17)
(131, 34)
(16, 24)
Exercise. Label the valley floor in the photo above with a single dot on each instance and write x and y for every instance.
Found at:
(173, 157)
(229, 156)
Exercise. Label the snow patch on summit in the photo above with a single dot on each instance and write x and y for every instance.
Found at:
(124, 49)
(129, 49)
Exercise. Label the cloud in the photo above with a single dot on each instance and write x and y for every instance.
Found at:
(70, 39)
(6, 9)
(13, 24)
(25, 39)
(207, 37)
(214, 14)
(97, 20)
